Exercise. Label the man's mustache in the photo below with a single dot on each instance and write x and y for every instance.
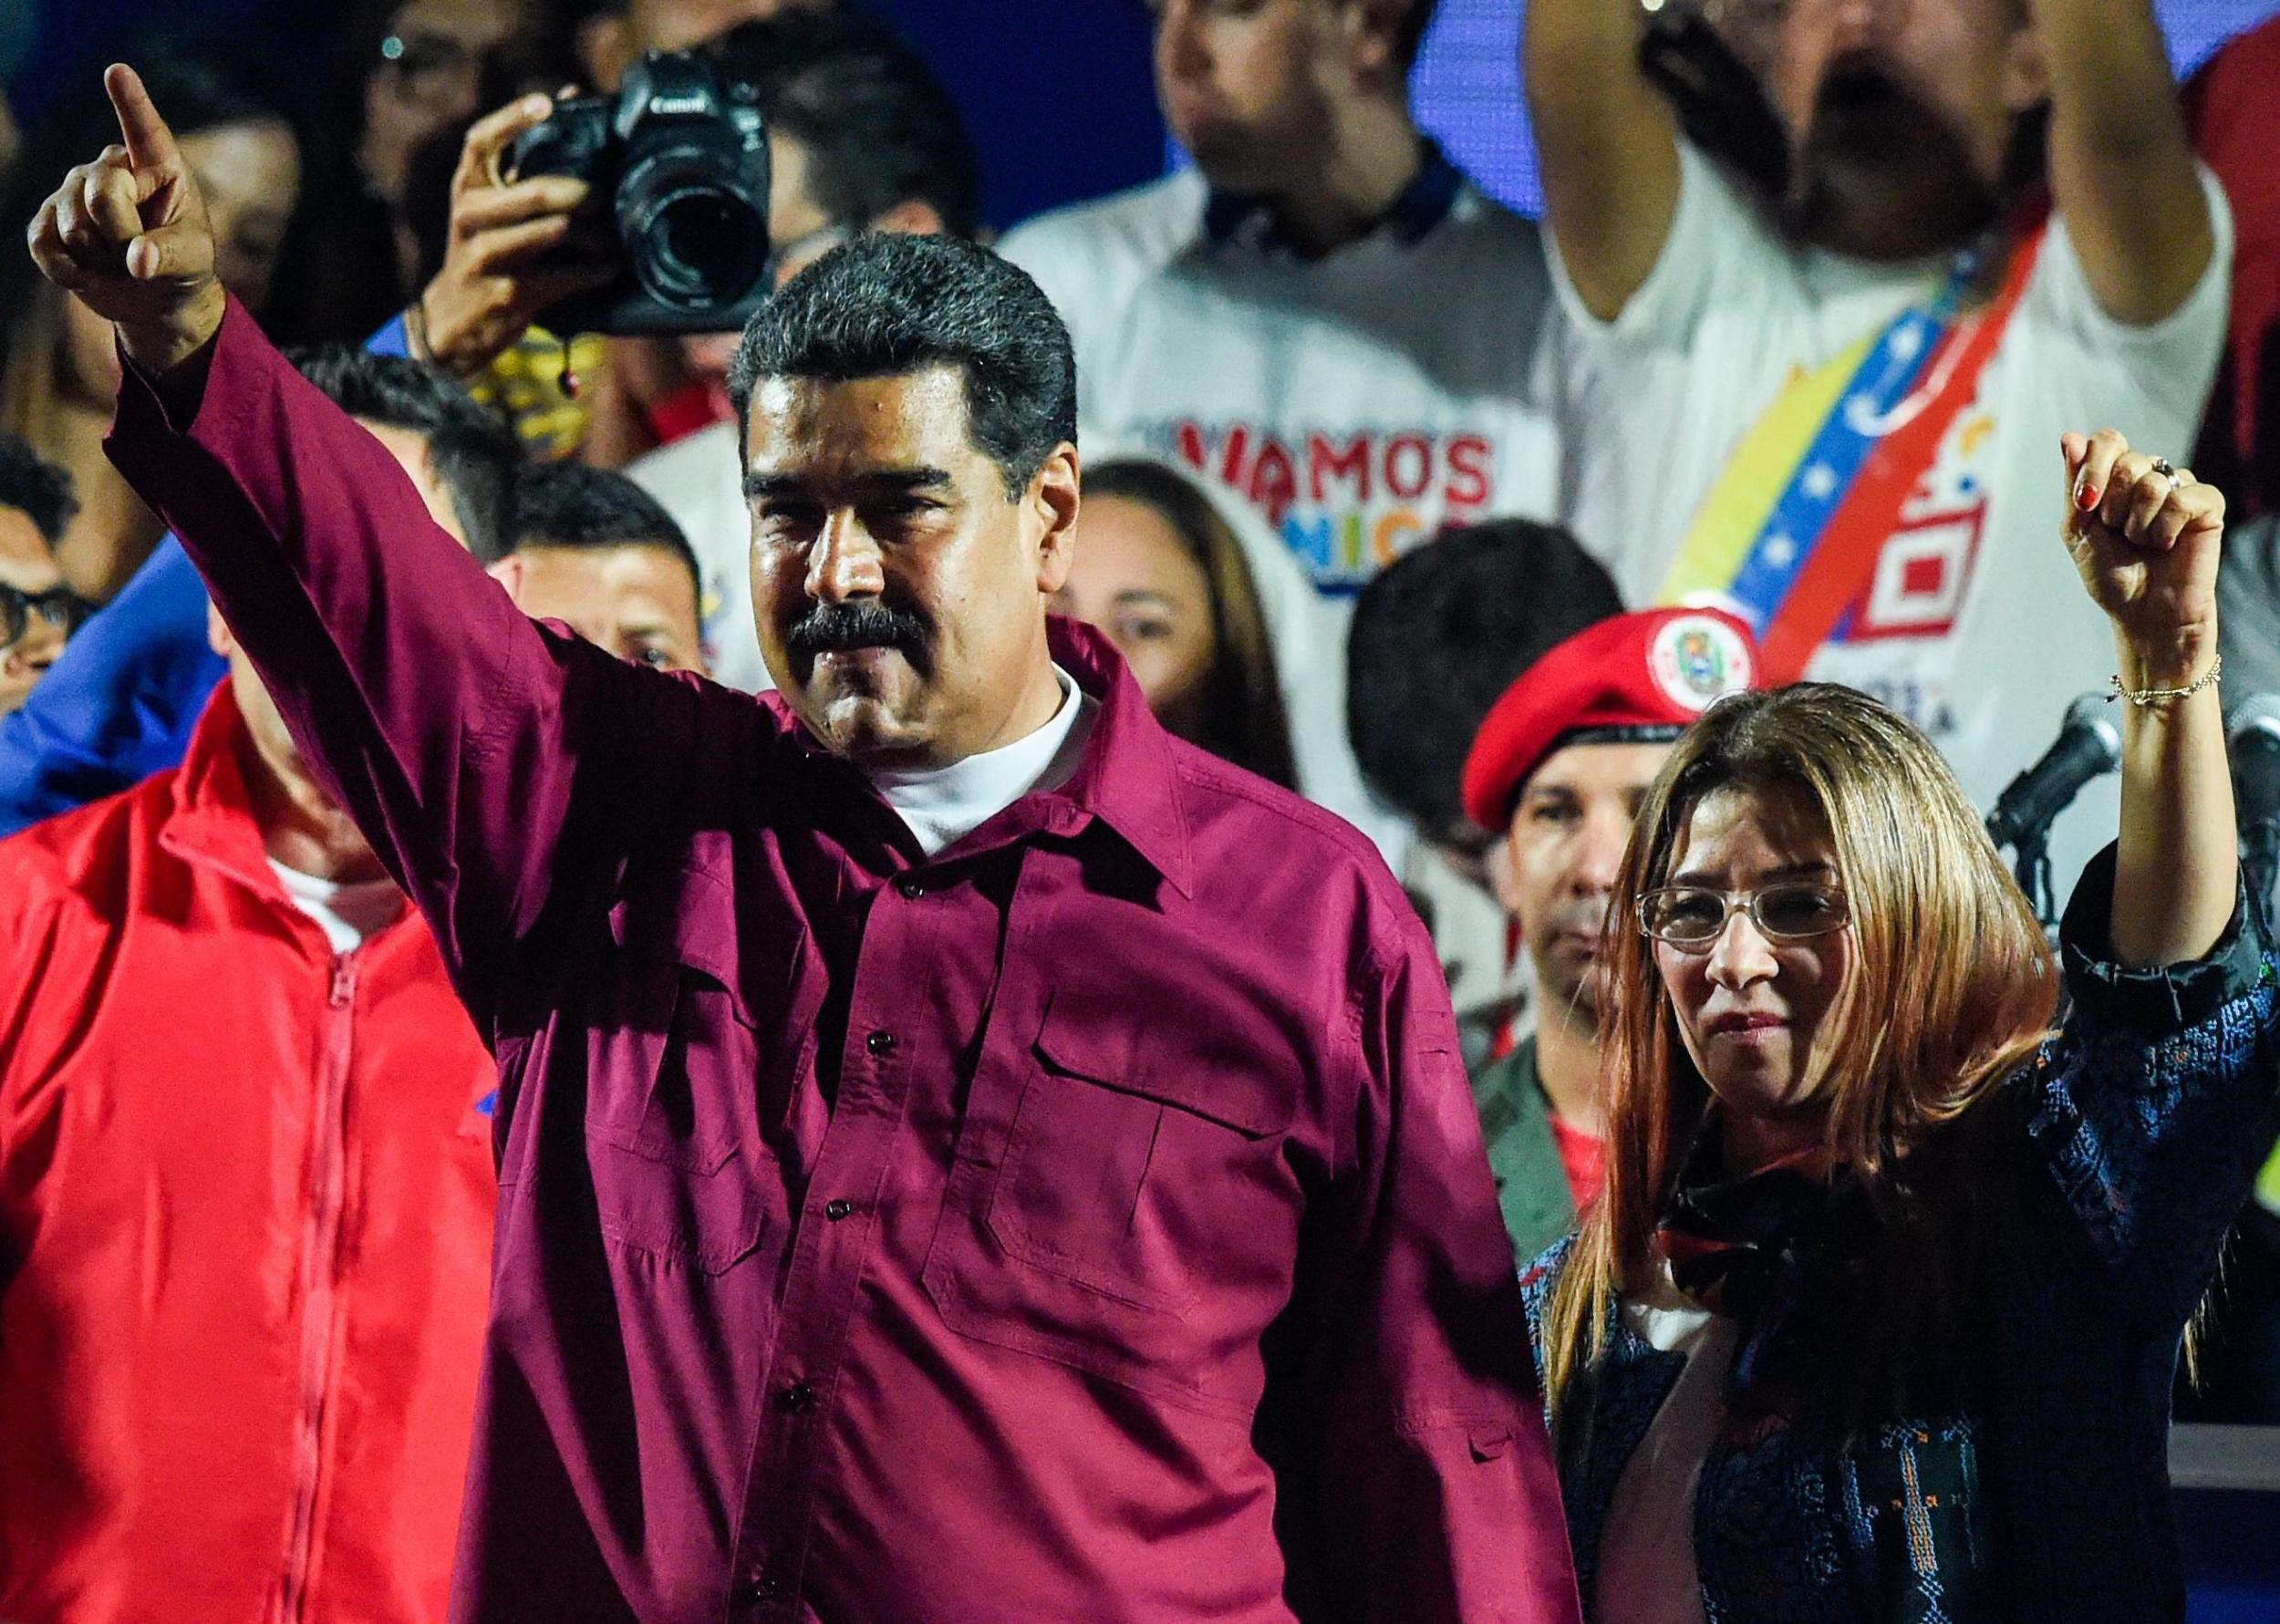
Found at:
(836, 628)
(1583, 919)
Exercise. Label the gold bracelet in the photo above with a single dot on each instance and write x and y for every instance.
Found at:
(2147, 696)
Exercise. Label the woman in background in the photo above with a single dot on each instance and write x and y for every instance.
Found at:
(406, 75)
(1161, 573)
(1877, 1315)
(58, 366)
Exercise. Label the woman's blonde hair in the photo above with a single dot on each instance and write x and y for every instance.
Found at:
(1953, 985)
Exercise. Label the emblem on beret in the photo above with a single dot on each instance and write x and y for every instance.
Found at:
(1697, 659)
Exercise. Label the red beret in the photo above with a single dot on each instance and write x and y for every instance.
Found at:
(1658, 670)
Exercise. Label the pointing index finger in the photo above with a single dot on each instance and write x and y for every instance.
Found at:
(150, 144)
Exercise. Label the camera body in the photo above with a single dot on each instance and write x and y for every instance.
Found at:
(682, 157)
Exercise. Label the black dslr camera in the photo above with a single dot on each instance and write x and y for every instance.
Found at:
(683, 158)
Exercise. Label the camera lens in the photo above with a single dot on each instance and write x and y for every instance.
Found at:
(693, 243)
(689, 191)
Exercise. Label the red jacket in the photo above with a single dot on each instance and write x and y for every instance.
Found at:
(245, 1200)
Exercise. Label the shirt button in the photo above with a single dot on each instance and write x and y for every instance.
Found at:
(912, 890)
(765, 1587)
(800, 1395)
(880, 1044)
(836, 1210)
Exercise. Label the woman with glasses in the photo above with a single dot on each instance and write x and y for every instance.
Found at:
(1877, 1315)
(405, 80)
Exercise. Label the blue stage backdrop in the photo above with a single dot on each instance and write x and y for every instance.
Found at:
(1056, 91)
(1468, 81)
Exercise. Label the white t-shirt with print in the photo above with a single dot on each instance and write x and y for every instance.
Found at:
(1976, 624)
(1356, 400)
(1353, 402)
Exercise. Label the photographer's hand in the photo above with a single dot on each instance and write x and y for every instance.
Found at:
(128, 235)
(503, 260)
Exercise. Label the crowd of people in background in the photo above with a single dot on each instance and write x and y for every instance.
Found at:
(1502, 540)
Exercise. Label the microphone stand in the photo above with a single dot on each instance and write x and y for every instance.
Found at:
(2030, 862)
(2260, 865)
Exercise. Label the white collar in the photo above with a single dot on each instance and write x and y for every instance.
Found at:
(944, 805)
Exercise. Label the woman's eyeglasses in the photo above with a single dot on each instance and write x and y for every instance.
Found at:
(1694, 916)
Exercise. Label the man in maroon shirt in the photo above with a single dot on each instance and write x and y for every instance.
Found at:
(964, 1154)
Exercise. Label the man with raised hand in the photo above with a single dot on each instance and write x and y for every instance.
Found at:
(1829, 409)
(964, 1153)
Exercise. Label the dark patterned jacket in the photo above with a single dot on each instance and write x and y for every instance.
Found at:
(2127, 1147)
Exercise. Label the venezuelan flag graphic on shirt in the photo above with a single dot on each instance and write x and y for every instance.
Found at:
(1789, 536)
(1736, 556)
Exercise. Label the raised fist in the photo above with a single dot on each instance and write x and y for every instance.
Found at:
(2145, 537)
(127, 235)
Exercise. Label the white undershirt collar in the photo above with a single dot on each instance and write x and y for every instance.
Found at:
(348, 911)
(944, 805)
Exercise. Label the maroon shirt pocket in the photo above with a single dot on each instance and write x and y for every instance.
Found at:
(675, 1076)
(665, 1129)
(1140, 1222)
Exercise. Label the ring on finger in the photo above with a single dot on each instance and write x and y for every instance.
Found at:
(2167, 469)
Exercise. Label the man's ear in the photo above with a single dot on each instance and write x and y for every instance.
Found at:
(915, 218)
(218, 636)
(2026, 69)
(508, 572)
(1053, 500)
(1373, 31)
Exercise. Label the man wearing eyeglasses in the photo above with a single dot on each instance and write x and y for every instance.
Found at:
(37, 611)
(1559, 769)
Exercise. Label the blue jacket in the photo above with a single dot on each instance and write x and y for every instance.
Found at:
(120, 702)
(2128, 1145)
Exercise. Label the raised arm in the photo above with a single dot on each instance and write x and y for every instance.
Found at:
(1606, 145)
(2121, 169)
(2146, 540)
(456, 730)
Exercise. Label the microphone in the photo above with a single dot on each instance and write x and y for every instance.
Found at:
(2088, 744)
(2252, 737)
